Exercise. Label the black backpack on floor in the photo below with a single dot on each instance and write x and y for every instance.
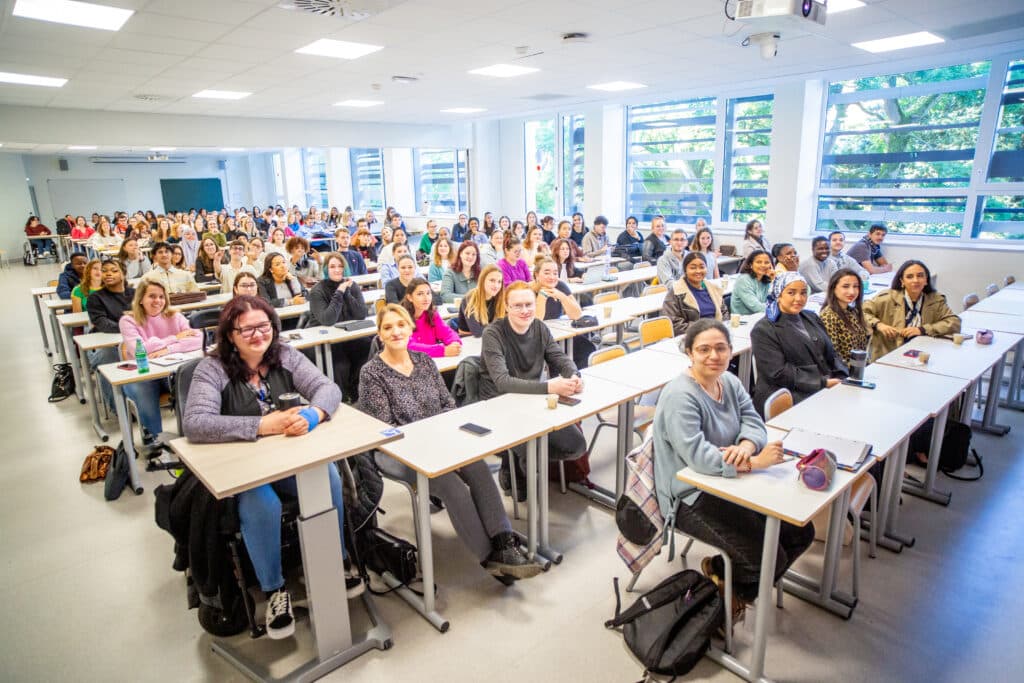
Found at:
(956, 448)
(669, 628)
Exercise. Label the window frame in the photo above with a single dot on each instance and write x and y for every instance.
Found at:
(460, 165)
(356, 189)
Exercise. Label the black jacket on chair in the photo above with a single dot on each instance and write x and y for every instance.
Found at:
(786, 359)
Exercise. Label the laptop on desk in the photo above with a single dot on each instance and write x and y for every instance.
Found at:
(594, 274)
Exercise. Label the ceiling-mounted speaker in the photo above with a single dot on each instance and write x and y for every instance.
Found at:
(62, 164)
(222, 165)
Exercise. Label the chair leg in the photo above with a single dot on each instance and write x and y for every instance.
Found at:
(632, 582)
(728, 602)
(686, 548)
(515, 493)
(778, 593)
(561, 476)
(873, 535)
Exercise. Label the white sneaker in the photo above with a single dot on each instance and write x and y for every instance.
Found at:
(354, 586)
(279, 619)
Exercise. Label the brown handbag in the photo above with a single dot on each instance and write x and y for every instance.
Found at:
(96, 464)
(179, 298)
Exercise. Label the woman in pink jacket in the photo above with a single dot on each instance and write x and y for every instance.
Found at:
(431, 335)
(162, 331)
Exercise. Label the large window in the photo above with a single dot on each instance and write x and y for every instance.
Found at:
(572, 164)
(748, 138)
(314, 163)
(440, 178)
(540, 165)
(367, 178)
(906, 150)
(699, 158)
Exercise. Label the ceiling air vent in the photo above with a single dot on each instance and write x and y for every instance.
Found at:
(148, 98)
(356, 10)
(545, 97)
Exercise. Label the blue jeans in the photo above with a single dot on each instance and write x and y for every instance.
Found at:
(147, 399)
(259, 511)
(43, 245)
(98, 357)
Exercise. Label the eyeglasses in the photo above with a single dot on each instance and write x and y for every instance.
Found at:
(522, 307)
(248, 332)
(720, 349)
(246, 285)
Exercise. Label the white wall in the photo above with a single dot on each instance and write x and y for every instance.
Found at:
(142, 181)
(15, 204)
(399, 188)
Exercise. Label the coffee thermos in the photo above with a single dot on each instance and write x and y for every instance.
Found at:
(858, 359)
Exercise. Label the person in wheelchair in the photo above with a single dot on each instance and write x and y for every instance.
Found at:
(235, 395)
(400, 386)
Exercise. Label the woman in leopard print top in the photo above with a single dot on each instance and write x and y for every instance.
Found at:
(843, 313)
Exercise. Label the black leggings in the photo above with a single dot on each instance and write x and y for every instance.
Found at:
(740, 533)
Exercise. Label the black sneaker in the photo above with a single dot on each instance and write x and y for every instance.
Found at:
(354, 585)
(507, 560)
(505, 482)
(279, 618)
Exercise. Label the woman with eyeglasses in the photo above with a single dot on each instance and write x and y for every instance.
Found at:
(706, 421)
(235, 265)
(245, 284)
(234, 396)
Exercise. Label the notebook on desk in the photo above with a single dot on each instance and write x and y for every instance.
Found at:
(850, 455)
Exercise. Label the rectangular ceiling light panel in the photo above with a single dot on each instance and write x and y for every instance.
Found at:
(74, 13)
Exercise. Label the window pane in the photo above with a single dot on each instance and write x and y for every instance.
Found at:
(278, 177)
(1000, 218)
(748, 138)
(940, 216)
(670, 160)
(540, 165)
(572, 164)
(1007, 164)
(440, 179)
(314, 163)
(367, 178)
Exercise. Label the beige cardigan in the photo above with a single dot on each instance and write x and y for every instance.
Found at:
(937, 319)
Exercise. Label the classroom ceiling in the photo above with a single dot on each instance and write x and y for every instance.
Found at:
(170, 49)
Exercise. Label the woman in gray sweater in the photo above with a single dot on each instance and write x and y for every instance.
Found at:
(706, 421)
(234, 396)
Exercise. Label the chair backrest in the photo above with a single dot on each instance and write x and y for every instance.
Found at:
(1009, 280)
(654, 330)
(777, 403)
(182, 382)
(606, 354)
(52, 283)
(605, 297)
(641, 264)
(727, 249)
(991, 289)
(654, 289)
(379, 305)
(970, 300)
(204, 320)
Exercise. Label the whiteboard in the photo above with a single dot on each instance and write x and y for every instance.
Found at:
(82, 197)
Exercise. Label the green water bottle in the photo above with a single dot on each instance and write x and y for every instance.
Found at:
(141, 359)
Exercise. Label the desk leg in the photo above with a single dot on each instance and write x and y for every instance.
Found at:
(1013, 392)
(42, 325)
(58, 342)
(967, 405)
(888, 526)
(928, 490)
(625, 432)
(888, 498)
(620, 333)
(125, 422)
(543, 485)
(531, 497)
(76, 371)
(94, 408)
(755, 671)
(823, 593)
(988, 422)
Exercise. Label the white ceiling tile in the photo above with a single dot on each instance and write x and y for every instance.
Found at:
(165, 44)
(221, 11)
(138, 57)
(147, 23)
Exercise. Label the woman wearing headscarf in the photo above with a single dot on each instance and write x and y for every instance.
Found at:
(190, 246)
(791, 348)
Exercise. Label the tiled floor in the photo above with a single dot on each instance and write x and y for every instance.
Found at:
(91, 595)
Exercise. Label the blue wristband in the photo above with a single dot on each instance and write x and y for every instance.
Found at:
(312, 417)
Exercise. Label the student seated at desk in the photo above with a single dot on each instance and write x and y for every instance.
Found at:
(706, 421)
(386, 254)
(135, 262)
(364, 240)
(92, 276)
(394, 289)
(162, 330)
(245, 284)
(441, 257)
(703, 241)
(554, 299)
(278, 287)
(534, 237)
(629, 244)
(843, 313)
(562, 255)
(277, 242)
(337, 299)
(515, 351)
(493, 250)
(233, 397)
(670, 263)
(750, 291)
(236, 264)
(463, 275)
(389, 271)
(303, 263)
(173, 279)
(867, 251)
(104, 237)
(33, 228)
(656, 242)
(400, 386)
(178, 257)
(692, 297)
(512, 265)
(909, 309)
(208, 261)
(71, 275)
(190, 247)
(105, 307)
(754, 239)
(431, 335)
(354, 263)
(484, 304)
(791, 348)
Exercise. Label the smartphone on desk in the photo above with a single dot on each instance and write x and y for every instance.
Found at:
(475, 429)
(127, 366)
(568, 401)
(862, 384)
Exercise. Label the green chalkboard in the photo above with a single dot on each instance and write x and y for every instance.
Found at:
(182, 194)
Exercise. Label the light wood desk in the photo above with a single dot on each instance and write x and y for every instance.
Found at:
(741, 351)
(998, 322)
(471, 346)
(430, 456)
(1009, 301)
(38, 294)
(775, 493)
(86, 343)
(230, 468)
(622, 279)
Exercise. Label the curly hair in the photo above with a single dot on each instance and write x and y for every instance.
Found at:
(227, 352)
